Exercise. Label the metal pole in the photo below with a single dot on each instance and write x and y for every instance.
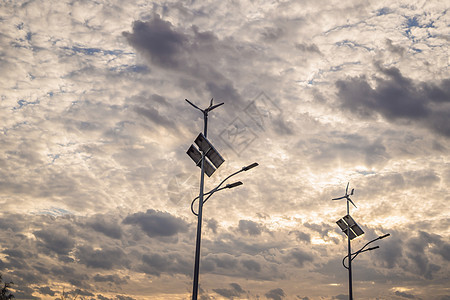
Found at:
(350, 288)
(199, 219)
(205, 117)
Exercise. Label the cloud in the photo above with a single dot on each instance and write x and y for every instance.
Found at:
(300, 257)
(123, 297)
(107, 258)
(56, 240)
(301, 236)
(213, 225)
(109, 278)
(235, 291)
(169, 263)
(340, 297)
(251, 265)
(93, 132)
(105, 225)
(275, 294)
(190, 53)
(398, 98)
(404, 295)
(47, 291)
(159, 40)
(157, 223)
(250, 227)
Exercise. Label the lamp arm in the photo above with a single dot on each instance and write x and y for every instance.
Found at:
(217, 188)
(343, 262)
(211, 192)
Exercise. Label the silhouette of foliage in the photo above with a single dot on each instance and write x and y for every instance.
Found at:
(5, 293)
(67, 296)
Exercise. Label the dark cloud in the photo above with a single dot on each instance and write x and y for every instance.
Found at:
(343, 147)
(157, 223)
(109, 278)
(170, 263)
(46, 291)
(250, 227)
(416, 252)
(395, 48)
(322, 229)
(443, 249)
(79, 292)
(301, 236)
(391, 254)
(224, 261)
(404, 295)
(123, 297)
(194, 55)
(272, 34)
(300, 257)
(212, 224)
(311, 48)
(158, 39)
(235, 291)
(251, 265)
(155, 116)
(398, 98)
(105, 225)
(13, 222)
(107, 258)
(57, 240)
(275, 294)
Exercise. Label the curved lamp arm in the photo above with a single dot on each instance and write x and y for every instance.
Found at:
(228, 186)
(218, 188)
(355, 254)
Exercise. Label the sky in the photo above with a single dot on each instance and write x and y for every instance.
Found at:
(96, 185)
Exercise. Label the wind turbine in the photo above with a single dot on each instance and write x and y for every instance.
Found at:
(205, 112)
(347, 196)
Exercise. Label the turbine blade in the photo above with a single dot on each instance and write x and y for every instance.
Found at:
(352, 191)
(339, 198)
(217, 105)
(346, 189)
(193, 104)
(351, 202)
(211, 103)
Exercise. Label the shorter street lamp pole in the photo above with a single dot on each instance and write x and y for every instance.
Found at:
(352, 230)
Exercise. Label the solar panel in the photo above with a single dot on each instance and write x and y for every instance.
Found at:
(348, 221)
(197, 158)
(209, 150)
(194, 154)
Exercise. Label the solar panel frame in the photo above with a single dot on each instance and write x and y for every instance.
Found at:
(211, 152)
(348, 221)
(196, 156)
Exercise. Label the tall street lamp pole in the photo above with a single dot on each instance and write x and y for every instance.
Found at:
(200, 203)
(206, 151)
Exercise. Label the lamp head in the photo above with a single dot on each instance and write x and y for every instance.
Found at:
(250, 166)
(383, 236)
(235, 184)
